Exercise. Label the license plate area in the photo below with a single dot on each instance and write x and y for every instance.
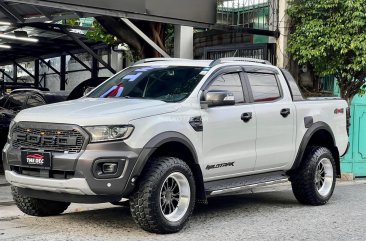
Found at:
(36, 159)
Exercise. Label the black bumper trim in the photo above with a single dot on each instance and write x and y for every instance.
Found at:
(64, 197)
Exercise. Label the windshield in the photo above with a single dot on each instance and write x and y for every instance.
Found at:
(166, 83)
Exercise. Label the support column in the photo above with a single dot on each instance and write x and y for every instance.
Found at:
(119, 62)
(63, 72)
(95, 68)
(36, 74)
(183, 42)
(282, 57)
(15, 73)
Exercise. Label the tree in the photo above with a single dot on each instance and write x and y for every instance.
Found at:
(99, 34)
(158, 32)
(112, 31)
(330, 35)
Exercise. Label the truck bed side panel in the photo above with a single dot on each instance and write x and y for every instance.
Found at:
(323, 111)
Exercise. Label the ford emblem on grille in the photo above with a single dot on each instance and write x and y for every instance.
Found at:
(45, 140)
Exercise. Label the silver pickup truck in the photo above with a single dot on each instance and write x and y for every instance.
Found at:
(167, 133)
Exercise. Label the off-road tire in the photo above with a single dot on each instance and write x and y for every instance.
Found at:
(303, 180)
(37, 207)
(145, 201)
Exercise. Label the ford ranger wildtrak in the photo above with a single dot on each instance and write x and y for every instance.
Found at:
(169, 133)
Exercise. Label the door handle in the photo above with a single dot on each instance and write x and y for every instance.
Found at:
(285, 112)
(246, 117)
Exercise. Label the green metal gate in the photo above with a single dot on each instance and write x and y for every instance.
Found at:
(355, 159)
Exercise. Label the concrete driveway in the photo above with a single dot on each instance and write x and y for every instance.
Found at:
(271, 213)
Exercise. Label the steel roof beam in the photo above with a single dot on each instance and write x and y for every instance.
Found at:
(115, 13)
(10, 12)
(238, 29)
(24, 69)
(51, 26)
(4, 73)
(89, 50)
(39, 10)
(145, 37)
(49, 66)
(79, 61)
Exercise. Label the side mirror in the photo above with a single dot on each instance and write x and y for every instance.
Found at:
(218, 98)
(88, 90)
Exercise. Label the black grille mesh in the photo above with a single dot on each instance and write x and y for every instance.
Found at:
(23, 144)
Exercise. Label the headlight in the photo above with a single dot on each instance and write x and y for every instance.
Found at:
(109, 133)
(12, 124)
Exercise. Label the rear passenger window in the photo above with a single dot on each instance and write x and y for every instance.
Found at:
(229, 82)
(264, 87)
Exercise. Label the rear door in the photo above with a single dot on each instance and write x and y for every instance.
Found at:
(275, 116)
(228, 140)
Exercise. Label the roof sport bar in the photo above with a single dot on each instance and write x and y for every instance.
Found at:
(158, 59)
(231, 59)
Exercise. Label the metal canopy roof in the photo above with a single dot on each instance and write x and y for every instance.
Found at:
(25, 13)
(167, 11)
(36, 17)
(53, 40)
(38, 22)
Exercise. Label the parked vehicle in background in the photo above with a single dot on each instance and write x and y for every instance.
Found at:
(20, 99)
(167, 133)
(7, 88)
(80, 90)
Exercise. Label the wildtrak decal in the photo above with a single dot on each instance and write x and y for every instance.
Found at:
(227, 164)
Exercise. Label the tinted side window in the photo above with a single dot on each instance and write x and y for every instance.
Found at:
(229, 82)
(34, 101)
(264, 87)
(16, 102)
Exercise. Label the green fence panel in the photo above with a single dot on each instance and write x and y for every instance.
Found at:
(355, 159)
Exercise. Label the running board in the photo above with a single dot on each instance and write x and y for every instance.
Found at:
(242, 183)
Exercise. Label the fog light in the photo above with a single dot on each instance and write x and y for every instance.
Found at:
(109, 168)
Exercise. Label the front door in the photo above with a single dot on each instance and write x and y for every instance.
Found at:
(228, 138)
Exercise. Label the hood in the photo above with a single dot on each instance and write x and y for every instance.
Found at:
(96, 111)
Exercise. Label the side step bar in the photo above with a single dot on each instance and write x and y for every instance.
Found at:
(236, 184)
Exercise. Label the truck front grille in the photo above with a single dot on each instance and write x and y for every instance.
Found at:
(48, 137)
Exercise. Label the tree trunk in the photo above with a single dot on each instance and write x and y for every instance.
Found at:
(155, 31)
(345, 88)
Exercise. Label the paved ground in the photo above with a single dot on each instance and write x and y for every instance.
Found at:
(266, 215)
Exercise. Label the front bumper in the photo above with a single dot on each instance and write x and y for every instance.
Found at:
(80, 178)
(77, 186)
